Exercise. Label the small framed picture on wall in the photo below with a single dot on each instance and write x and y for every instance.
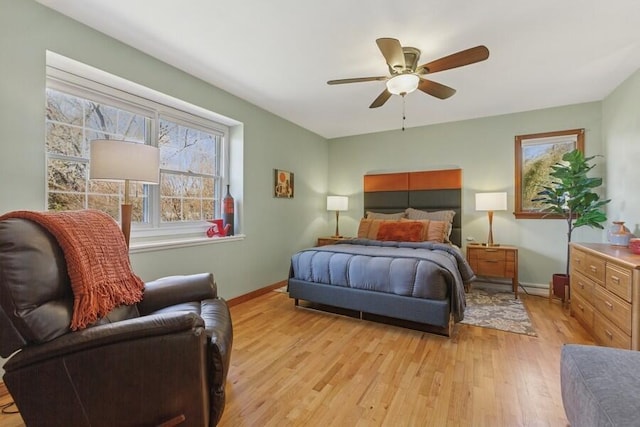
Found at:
(282, 184)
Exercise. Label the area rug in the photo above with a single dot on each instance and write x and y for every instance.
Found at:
(495, 309)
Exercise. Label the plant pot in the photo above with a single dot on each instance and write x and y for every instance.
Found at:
(560, 285)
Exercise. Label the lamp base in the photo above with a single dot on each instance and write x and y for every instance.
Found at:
(125, 212)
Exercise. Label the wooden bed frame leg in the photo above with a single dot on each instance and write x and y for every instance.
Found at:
(296, 302)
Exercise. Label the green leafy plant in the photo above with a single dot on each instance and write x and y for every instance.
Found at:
(570, 194)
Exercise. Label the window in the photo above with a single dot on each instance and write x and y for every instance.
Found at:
(193, 150)
(189, 178)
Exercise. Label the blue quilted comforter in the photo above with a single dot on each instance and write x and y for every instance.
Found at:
(420, 270)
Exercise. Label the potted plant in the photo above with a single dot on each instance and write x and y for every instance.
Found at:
(570, 196)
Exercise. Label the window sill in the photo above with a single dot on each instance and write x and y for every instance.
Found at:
(157, 245)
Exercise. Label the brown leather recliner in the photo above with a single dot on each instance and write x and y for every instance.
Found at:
(164, 359)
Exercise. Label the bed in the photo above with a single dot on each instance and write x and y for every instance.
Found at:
(405, 264)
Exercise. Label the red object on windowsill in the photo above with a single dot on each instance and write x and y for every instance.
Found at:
(634, 245)
(216, 229)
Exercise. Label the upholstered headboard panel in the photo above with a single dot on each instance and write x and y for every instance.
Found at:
(427, 190)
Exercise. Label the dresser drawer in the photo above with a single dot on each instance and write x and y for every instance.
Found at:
(608, 334)
(613, 308)
(582, 286)
(595, 268)
(618, 281)
(578, 260)
(582, 311)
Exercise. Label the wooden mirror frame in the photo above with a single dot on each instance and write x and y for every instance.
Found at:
(572, 136)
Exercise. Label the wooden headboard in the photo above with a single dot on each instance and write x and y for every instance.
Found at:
(427, 190)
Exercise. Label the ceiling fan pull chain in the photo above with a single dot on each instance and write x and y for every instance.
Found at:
(403, 112)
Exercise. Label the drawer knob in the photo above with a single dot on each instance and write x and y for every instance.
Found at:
(609, 305)
(593, 268)
(609, 334)
(615, 278)
(580, 307)
(581, 285)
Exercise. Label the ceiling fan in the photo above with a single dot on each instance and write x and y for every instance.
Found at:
(406, 76)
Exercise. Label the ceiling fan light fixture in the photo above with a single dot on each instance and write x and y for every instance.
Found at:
(403, 83)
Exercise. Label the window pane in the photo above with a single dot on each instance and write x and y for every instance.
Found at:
(64, 139)
(105, 203)
(71, 123)
(186, 149)
(189, 160)
(65, 201)
(64, 108)
(66, 175)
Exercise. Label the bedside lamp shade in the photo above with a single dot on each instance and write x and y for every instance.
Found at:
(491, 202)
(114, 160)
(337, 203)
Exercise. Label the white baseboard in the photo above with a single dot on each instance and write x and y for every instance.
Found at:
(528, 288)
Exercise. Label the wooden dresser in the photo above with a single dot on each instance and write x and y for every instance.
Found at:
(605, 293)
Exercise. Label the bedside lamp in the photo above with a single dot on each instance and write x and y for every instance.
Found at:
(337, 203)
(491, 202)
(113, 160)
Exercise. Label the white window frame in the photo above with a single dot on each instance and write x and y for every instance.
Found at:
(72, 77)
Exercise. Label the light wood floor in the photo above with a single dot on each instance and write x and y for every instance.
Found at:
(299, 367)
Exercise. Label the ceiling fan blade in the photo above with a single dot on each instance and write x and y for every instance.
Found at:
(458, 59)
(393, 54)
(435, 89)
(356, 80)
(381, 99)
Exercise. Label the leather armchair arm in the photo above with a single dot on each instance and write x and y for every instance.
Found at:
(174, 290)
(126, 330)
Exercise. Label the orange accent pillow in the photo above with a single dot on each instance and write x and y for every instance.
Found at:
(363, 228)
(437, 231)
(434, 231)
(398, 231)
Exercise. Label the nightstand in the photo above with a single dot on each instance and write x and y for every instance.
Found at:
(330, 240)
(495, 261)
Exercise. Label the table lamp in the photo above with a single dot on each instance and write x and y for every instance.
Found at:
(337, 203)
(491, 202)
(114, 160)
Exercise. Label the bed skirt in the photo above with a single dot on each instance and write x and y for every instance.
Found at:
(435, 313)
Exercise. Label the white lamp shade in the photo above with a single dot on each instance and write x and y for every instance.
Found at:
(337, 203)
(120, 160)
(491, 201)
(403, 83)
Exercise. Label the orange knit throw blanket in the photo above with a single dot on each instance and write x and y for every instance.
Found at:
(97, 261)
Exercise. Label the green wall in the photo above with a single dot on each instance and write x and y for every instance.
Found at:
(274, 228)
(484, 149)
(621, 123)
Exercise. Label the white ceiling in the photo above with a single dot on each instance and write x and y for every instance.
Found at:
(278, 54)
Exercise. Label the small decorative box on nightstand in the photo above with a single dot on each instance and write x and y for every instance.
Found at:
(495, 261)
(330, 240)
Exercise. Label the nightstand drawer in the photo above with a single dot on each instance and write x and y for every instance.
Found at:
(491, 268)
(490, 255)
(618, 281)
(613, 308)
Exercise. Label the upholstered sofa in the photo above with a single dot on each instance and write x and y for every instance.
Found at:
(600, 386)
(162, 361)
